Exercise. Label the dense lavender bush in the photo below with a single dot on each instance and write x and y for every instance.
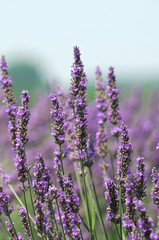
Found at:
(59, 174)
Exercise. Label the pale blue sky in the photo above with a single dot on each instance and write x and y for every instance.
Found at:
(122, 33)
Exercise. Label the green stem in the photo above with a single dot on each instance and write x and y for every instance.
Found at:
(98, 207)
(25, 202)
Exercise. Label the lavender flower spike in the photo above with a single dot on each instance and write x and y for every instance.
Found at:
(78, 81)
(57, 121)
(6, 84)
(40, 218)
(140, 179)
(112, 93)
(24, 219)
(71, 196)
(42, 179)
(101, 105)
(155, 189)
(130, 217)
(41, 186)
(81, 123)
(112, 197)
(24, 117)
(145, 223)
(12, 232)
(125, 150)
(5, 203)
(69, 220)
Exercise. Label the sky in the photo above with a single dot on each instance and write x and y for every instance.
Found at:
(121, 33)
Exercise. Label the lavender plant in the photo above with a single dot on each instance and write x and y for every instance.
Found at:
(64, 198)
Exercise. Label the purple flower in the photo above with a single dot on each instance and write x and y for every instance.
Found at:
(78, 81)
(5, 177)
(81, 123)
(140, 179)
(154, 236)
(6, 84)
(23, 117)
(53, 193)
(5, 203)
(112, 93)
(124, 152)
(116, 132)
(41, 179)
(112, 197)
(21, 161)
(101, 105)
(71, 196)
(130, 218)
(57, 121)
(69, 220)
(24, 219)
(155, 189)
(145, 223)
(134, 236)
(40, 218)
(78, 102)
(68, 124)
(12, 232)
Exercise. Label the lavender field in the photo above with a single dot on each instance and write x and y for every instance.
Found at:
(74, 169)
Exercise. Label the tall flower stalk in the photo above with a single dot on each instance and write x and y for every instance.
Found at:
(78, 103)
(6, 84)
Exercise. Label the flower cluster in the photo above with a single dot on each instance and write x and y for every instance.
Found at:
(78, 81)
(130, 217)
(42, 179)
(6, 84)
(145, 222)
(140, 179)
(5, 203)
(112, 93)
(112, 197)
(101, 104)
(125, 150)
(57, 121)
(78, 102)
(155, 190)
(24, 219)
(69, 220)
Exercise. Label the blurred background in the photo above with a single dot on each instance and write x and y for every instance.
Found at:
(37, 38)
